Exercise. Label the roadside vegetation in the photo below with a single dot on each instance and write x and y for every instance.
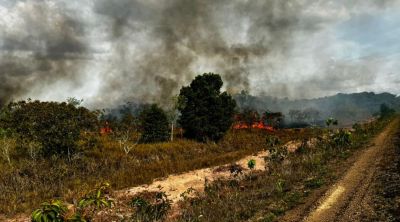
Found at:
(53, 155)
(386, 199)
(62, 150)
(289, 179)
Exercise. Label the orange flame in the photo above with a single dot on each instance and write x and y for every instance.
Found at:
(256, 125)
(105, 130)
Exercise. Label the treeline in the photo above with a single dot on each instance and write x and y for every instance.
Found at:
(347, 108)
(48, 128)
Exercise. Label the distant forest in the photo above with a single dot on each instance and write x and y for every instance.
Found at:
(346, 108)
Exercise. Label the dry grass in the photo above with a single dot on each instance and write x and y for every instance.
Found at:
(28, 182)
(266, 196)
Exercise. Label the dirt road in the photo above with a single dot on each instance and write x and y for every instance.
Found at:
(175, 185)
(351, 198)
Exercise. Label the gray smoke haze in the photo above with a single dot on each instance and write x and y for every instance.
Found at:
(109, 52)
(39, 45)
(185, 31)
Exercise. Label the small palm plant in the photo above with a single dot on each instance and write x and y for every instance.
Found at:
(50, 211)
(251, 164)
(56, 210)
(96, 198)
(93, 201)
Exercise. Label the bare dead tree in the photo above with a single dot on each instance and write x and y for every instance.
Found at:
(5, 148)
(125, 142)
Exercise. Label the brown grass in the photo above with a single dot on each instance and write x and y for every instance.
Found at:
(28, 182)
(265, 196)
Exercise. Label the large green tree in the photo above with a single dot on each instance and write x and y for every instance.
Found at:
(55, 126)
(206, 113)
(154, 124)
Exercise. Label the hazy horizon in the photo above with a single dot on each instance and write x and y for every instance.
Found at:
(107, 52)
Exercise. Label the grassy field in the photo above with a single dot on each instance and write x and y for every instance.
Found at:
(266, 196)
(26, 182)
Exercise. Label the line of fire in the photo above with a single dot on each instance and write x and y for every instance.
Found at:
(269, 121)
(252, 120)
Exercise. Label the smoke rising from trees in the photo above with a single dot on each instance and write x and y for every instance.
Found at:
(108, 52)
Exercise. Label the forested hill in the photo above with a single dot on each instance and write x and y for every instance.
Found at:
(347, 108)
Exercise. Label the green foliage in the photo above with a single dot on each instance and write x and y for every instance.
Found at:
(50, 212)
(55, 126)
(92, 202)
(341, 138)
(154, 123)
(96, 198)
(313, 183)
(206, 113)
(331, 121)
(251, 164)
(56, 210)
(151, 210)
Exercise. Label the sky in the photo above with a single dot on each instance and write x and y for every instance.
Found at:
(110, 52)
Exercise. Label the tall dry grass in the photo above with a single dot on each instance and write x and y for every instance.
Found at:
(265, 196)
(30, 180)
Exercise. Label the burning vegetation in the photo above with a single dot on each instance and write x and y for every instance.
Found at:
(250, 119)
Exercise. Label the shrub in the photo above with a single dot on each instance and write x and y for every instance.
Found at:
(55, 126)
(331, 121)
(154, 123)
(57, 211)
(341, 138)
(206, 113)
(313, 183)
(251, 164)
(155, 209)
(53, 211)
(93, 201)
(277, 154)
(235, 170)
(96, 198)
(273, 141)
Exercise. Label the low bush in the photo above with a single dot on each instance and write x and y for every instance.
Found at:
(150, 207)
(57, 211)
(53, 211)
(341, 138)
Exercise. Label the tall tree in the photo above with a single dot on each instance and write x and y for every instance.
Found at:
(154, 124)
(206, 113)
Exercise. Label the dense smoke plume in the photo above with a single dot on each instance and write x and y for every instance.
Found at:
(110, 52)
(39, 44)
